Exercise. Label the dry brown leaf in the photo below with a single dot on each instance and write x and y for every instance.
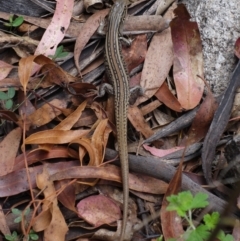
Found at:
(135, 54)
(171, 222)
(98, 210)
(17, 182)
(69, 121)
(137, 182)
(67, 195)
(157, 64)
(202, 120)
(25, 71)
(99, 141)
(38, 155)
(55, 136)
(47, 112)
(9, 148)
(188, 59)
(57, 227)
(166, 96)
(5, 69)
(137, 119)
(86, 33)
(3, 223)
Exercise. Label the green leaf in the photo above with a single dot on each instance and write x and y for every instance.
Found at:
(33, 236)
(211, 220)
(180, 203)
(11, 237)
(63, 54)
(222, 237)
(3, 96)
(59, 51)
(9, 104)
(8, 24)
(174, 205)
(11, 19)
(27, 211)
(18, 219)
(16, 211)
(199, 201)
(18, 21)
(199, 234)
(11, 92)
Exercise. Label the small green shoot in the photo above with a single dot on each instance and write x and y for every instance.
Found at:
(184, 203)
(12, 237)
(32, 235)
(18, 213)
(6, 98)
(14, 22)
(59, 53)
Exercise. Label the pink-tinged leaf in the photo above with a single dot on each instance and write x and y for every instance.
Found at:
(159, 152)
(9, 147)
(188, 60)
(98, 210)
(5, 69)
(157, 64)
(237, 48)
(57, 29)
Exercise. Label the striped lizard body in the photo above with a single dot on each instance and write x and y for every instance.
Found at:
(117, 74)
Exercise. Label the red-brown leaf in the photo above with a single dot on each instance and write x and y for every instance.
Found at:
(188, 60)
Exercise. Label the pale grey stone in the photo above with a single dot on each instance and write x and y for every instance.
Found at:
(219, 24)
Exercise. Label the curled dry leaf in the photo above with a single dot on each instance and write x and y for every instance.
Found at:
(188, 59)
(39, 155)
(56, 228)
(70, 120)
(166, 97)
(99, 141)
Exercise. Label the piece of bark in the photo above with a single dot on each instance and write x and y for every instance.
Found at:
(165, 172)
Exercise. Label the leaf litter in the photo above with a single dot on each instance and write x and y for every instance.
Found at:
(57, 141)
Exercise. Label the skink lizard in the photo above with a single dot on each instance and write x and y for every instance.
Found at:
(117, 73)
